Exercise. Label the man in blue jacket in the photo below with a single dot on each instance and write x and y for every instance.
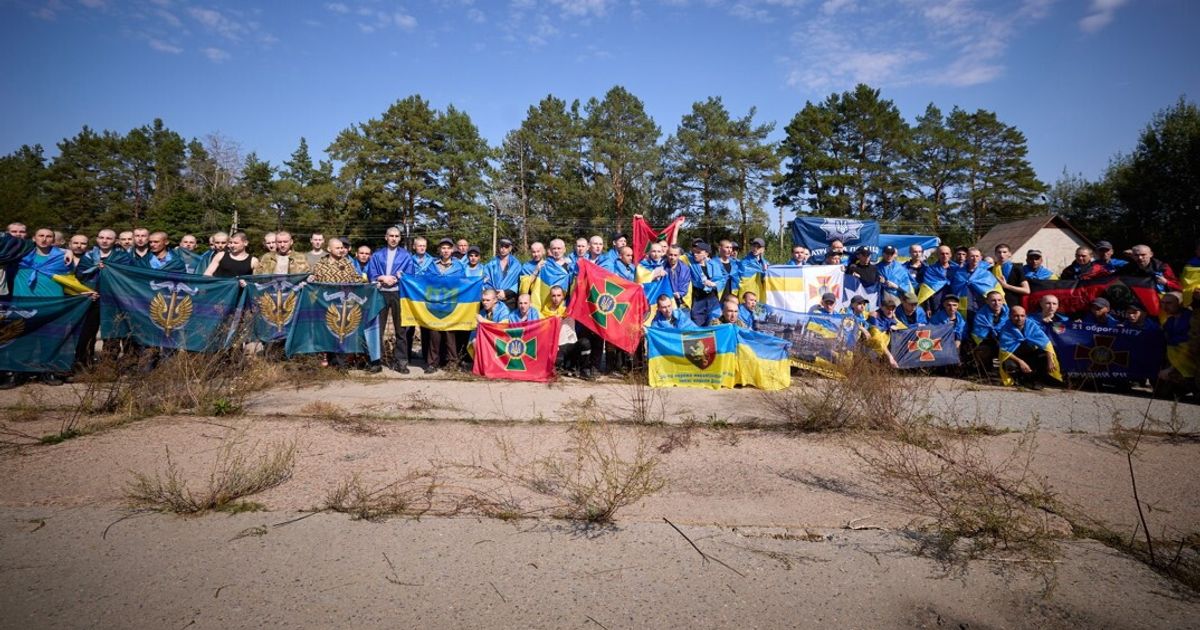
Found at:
(385, 268)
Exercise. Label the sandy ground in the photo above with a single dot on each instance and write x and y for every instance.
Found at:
(776, 506)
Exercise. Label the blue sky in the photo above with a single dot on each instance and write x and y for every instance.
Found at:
(1081, 78)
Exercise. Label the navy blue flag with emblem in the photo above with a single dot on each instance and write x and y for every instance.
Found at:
(342, 318)
(924, 346)
(270, 303)
(815, 233)
(39, 334)
(167, 309)
(1107, 352)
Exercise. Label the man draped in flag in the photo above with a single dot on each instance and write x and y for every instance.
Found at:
(893, 275)
(935, 279)
(36, 270)
(708, 279)
(974, 280)
(1026, 354)
(1190, 279)
(503, 273)
(1035, 267)
(385, 268)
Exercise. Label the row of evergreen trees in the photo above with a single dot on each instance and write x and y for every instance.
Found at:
(568, 169)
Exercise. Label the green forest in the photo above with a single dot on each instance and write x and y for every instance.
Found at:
(575, 168)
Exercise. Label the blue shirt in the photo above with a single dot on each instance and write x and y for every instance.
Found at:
(918, 318)
(514, 315)
(987, 324)
(679, 320)
(499, 313)
(960, 323)
(1041, 273)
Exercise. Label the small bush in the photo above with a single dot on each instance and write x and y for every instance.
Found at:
(237, 472)
(863, 394)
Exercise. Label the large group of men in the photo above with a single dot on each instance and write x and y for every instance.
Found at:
(705, 280)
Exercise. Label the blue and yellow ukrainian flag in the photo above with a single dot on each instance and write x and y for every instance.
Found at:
(538, 285)
(440, 302)
(1011, 339)
(762, 361)
(932, 281)
(1189, 278)
(700, 357)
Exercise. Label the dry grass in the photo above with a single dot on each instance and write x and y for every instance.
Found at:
(238, 472)
(974, 503)
(865, 395)
(417, 494)
(339, 417)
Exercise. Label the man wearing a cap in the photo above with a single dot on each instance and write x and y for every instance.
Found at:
(708, 278)
(1145, 265)
(861, 268)
(828, 305)
(755, 262)
(503, 273)
(1136, 318)
(385, 268)
(948, 314)
(1084, 267)
(1100, 313)
(1104, 256)
(909, 313)
(1011, 276)
(473, 267)
(618, 240)
(893, 275)
(884, 318)
(1035, 268)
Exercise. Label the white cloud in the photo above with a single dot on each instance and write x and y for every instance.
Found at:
(219, 22)
(476, 16)
(405, 21)
(911, 42)
(1100, 14)
(168, 17)
(215, 55)
(582, 8)
(161, 46)
(338, 7)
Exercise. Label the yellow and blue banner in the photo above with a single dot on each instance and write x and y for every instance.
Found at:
(700, 357)
(538, 285)
(762, 361)
(440, 302)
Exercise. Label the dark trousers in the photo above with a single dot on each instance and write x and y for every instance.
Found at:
(575, 356)
(85, 350)
(595, 344)
(1036, 359)
(702, 306)
(391, 310)
(440, 346)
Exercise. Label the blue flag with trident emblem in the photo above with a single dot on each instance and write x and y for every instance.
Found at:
(168, 310)
(342, 318)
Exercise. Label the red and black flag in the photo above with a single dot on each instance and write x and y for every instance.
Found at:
(1074, 296)
(608, 305)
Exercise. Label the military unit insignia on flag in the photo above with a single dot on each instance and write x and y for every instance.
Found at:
(171, 311)
(344, 314)
(1101, 356)
(606, 304)
(514, 351)
(925, 345)
(700, 350)
(39, 334)
(276, 307)
(12, 323)
(519, 351)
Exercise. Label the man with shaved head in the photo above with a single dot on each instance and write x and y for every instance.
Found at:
(1145, 265)
(1025, 349)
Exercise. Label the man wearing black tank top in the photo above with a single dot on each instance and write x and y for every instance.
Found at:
(234, 261)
